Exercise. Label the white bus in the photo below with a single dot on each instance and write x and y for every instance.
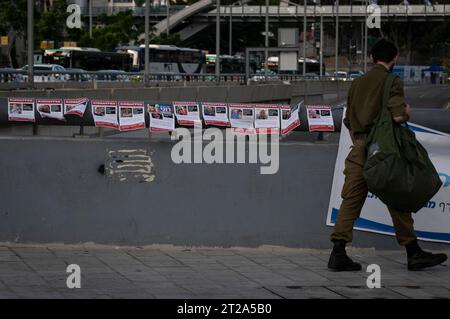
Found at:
(167, 59)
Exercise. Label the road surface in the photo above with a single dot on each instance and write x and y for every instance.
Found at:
(428, 96)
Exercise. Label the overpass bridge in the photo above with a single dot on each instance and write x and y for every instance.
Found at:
(204, 12)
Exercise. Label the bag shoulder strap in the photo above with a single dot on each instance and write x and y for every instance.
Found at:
(387, 88)
(384, 114)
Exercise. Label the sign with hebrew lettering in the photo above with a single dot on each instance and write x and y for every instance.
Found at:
(432, 222)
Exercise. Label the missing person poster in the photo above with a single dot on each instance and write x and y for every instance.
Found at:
(320, 118)
(187, 113)
(215, 114)
(267, 118)
(162, 118)
(21, 109)
(242, 118)
(289, 118)
(50, 108)
(131, 116)
(105, 113)
(432, 222)
(75, 106)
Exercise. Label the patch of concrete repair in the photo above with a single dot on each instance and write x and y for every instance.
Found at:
(129, 166)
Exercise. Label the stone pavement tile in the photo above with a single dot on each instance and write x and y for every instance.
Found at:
(175, 295)
(82, 294)
(162, 285)
(144, 252)
(7, 294)
(258, 293)
(304, 275)
(159, 263)
(31, 292)
(217, 251)
(362, 292)
(203, 287)
(119, 260)
(272, 280)
(8, 255)
(124, 292)
(422, 292)
(302, 292)
(144, 277)
(97, 283)
(183, 254)
(25, 280)
(13, 267)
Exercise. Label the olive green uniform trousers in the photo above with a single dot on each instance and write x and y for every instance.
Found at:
(354, 194)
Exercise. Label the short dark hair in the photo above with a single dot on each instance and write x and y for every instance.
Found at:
(384, 51)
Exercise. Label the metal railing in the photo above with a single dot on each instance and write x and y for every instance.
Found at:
(21, 77)
(329, 10)
(136, 11)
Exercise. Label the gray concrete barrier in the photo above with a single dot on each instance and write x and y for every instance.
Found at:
(311, 91)
(52, 192)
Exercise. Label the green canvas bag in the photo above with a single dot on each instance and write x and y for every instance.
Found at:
(397, 169)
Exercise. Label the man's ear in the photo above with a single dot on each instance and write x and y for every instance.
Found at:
(395, 60)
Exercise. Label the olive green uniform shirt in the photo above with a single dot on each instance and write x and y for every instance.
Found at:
(365, 100)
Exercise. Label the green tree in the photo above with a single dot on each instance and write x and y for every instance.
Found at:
(112, 31)
(51, 25)
(164, 38)
(13, 23)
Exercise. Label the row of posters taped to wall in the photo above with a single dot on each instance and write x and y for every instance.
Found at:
(127, 116)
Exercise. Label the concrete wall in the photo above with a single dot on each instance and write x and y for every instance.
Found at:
(51, 192)
(311, 91)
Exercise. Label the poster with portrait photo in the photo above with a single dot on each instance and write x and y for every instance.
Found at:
(267, 118)
(242, 118)
(162, 118)
(75, 106)
(289, 118)
(215, 114)
(320, 118)
(131, 116)
(187, 113)
(21, 109)
(50, 108)
(105, 114)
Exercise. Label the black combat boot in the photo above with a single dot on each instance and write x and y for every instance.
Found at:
(339, 261)
(419, 259)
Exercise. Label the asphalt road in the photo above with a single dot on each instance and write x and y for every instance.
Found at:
(428, 96)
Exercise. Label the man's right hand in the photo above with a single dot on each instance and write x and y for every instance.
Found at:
(404, 118)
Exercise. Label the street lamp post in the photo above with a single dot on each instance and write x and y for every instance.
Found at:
(147, 41)
(90, 19)
(168, 15)
(218, 41)
(336, 44)
(230, 46)
(266, 39)
(321, 43)
(30, 39)
(304, 37)
(365, 39)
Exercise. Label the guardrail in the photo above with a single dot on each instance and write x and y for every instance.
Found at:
(136, 11)
(19, 77)
(329, 10)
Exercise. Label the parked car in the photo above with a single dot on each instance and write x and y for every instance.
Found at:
(41, 75)
(261, 76)
(9, 75)
(340, 76)
(354, 75)
(77, 75)
(112, 75)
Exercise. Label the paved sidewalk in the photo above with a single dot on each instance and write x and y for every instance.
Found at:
(180, 272)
